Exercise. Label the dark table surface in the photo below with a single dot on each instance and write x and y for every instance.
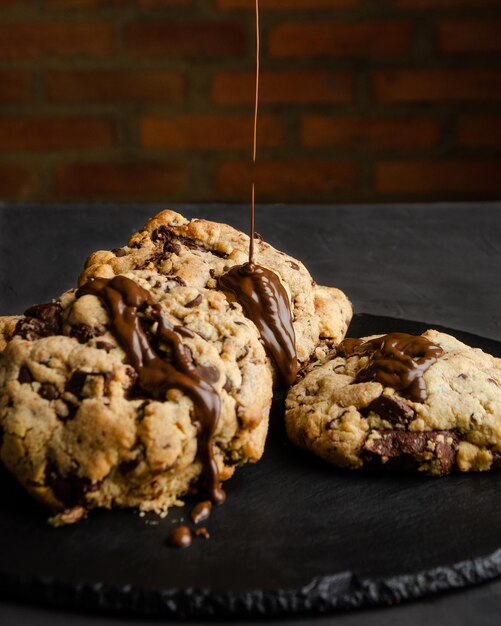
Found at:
(437, 263)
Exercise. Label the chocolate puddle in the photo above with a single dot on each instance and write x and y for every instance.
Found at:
(123, 299)
(398, 360)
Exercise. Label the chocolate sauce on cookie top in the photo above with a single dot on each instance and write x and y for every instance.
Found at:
(396, 360)
(259, 290)
(266, 303)
(124, 299)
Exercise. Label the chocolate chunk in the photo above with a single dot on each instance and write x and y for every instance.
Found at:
(403, 450)
(72, 411)
(178, 280)
(392, 409)
(31, 329)
(119, 252)
(195, 302)
(107, 378)
(212, 273)
(294, 266)
(104, 345)
(76, 383)
(41, 320)
(25, 374)
(84, 333)
(209, 373)
(70, 489)
(244, 353)
(228, 385)
(129, 466)
(48, 391)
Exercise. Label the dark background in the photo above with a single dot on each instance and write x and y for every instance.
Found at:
(151, 100)
(436, 263)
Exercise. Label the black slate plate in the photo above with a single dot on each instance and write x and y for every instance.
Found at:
(295, 536)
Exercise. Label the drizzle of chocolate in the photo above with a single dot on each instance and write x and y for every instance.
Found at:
(266, 303)
(201, 511)
(397, 360)
(259, 290)
(180, 537)
(124, 299)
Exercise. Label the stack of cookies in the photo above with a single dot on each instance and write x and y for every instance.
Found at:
(106, 392)
(80, 431)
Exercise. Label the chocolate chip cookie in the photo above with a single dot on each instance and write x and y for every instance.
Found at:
(87, 409)
(425, 403)
(198, 252)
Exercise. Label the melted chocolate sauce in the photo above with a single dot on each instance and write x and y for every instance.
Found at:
(124, 299)
(180, 537)
(266, 303)
(397, 360)
(259, 290)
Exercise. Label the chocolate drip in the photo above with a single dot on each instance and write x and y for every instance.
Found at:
(266, 303)
(258, 289)
(201, 511)
(124, 299)
(397, 360)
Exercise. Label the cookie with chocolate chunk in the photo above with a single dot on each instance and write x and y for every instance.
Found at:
(114, 402)
(197, 252)
(426, 403)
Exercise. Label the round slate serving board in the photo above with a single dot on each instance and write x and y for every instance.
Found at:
(296, 535)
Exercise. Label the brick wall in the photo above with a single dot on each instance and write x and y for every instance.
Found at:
(361, 100)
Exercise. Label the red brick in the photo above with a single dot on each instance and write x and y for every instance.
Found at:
(187, 39)
(293, 87)
(448, 176)
(17, 182)
(441, 4)
(469, 36)
(42, 133)
(351, 39)
(45, 39)
(83, 4)
(480, 131)
(271, 5)
(124, 181)
(165, 3)
(283, 179)
(320, 131)
(115, 86)
(437, 85)
(210, 132)
(15, 86)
